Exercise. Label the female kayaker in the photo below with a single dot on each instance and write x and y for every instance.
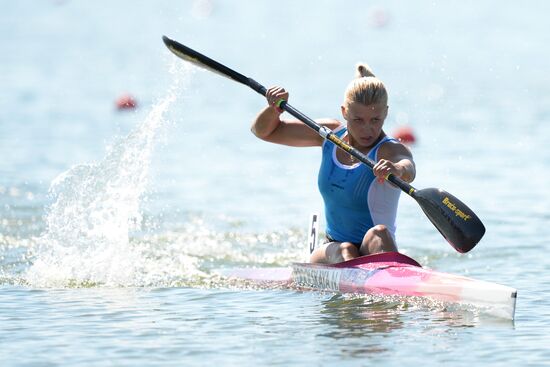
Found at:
(360, 205)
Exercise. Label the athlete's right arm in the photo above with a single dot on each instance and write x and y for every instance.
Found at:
(268, 125)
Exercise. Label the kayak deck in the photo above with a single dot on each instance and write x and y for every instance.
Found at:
(390, 273)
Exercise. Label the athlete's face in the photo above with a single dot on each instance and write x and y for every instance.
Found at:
(365, 122)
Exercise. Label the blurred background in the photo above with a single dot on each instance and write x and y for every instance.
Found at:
(122, 166)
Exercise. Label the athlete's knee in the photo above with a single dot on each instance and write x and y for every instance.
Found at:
(380, 230)
(346, 251)
(348, 247)
(378, 239)
(318, 255)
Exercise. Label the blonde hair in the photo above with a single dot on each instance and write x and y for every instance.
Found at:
(365, 88)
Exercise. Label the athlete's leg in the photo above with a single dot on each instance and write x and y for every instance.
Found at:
(334, 252)
(377, 239)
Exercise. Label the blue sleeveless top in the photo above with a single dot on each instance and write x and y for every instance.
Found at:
(354, 200)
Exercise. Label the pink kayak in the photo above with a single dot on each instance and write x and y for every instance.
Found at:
(390, 273)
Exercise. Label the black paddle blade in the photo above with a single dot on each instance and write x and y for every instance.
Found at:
(202, 61)
(454, 220)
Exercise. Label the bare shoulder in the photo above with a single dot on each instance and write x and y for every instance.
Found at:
(394, 150)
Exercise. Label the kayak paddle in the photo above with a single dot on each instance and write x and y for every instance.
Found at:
(458, 224)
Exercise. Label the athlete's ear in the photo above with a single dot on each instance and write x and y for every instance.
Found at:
(344, 112)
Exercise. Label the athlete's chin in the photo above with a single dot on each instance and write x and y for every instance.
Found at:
(366, 142)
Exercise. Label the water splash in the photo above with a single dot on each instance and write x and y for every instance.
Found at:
(96, 206)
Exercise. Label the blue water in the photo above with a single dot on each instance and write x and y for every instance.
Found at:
(113, 223)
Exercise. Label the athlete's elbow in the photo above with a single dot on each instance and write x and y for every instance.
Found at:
(409, 175)
(406, 170)
(408, 178)
(259, 134)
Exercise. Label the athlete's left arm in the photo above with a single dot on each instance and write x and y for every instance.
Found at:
(397, 159)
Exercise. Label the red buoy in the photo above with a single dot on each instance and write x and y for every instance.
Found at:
(405, 135)
(126, 102)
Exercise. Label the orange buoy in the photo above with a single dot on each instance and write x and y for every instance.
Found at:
(405, 135)
(126, 102)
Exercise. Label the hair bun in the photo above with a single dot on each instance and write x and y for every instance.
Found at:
(363, 70)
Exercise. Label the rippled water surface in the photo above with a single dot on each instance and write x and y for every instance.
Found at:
(114, 225)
